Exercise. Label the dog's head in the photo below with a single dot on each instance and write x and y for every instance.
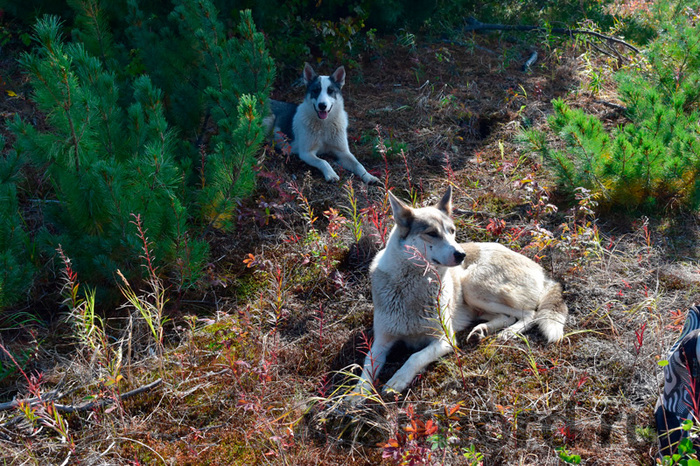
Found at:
(324, 91)
(430, 230)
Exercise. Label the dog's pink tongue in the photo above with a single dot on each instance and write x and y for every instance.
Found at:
(323, 115)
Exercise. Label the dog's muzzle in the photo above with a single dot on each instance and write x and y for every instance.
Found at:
(322, 111)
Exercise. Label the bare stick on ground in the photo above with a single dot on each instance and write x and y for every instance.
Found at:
(82, 407)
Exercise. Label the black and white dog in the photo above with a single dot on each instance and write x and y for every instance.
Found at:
(319, 124)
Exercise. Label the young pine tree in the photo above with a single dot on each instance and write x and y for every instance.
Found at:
(16, 261)
(652, 162)
(228, 79)
(106, 163)
(236, 74)
(112, 149)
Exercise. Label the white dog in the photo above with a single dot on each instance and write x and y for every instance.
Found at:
(426, 287)
(319, 124)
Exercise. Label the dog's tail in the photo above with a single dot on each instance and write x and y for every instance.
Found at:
(552, 312)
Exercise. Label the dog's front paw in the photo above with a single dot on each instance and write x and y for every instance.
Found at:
(358, 395)
(390, 393)
(506, 335)
(480, 331)
(331, 176)
(353, 400)
(370, 179)
(397, 384)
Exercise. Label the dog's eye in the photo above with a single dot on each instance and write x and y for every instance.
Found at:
(433, 234)
(451, 230)
(331, 91)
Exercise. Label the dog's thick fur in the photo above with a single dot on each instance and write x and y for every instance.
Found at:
(319, 124)
(423, 269)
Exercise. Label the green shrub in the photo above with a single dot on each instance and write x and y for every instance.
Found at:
(16, 258)
(236, 75)
(653, 161)
(112, 149)
(104, 161)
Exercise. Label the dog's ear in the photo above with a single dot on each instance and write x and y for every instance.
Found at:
(403, 214)
(339, 76)
(309, 73)
(445, 203)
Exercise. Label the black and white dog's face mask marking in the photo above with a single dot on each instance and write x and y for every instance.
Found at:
(323, 91)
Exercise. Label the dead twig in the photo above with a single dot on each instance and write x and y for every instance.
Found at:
(107, 401)
(50, 396)
(55, 395)
(618, 107)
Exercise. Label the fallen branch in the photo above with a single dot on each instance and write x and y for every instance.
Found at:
(475, 25)
(599, 50)
(106, 401)
(50, 396)
(55, 395)
(620, 108)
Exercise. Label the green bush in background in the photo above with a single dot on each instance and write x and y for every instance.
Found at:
(105, 162)
(653, 161)
(112, 149)
(16, 255)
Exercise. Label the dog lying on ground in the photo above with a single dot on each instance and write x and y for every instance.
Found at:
(426, 287)
(319, 124)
